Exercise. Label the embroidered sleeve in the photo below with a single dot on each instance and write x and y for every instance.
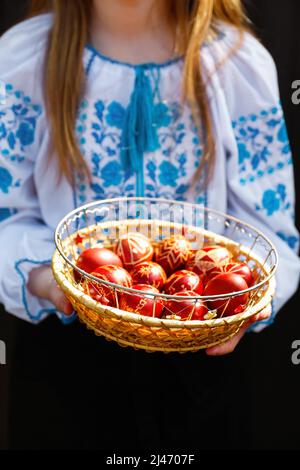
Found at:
(260, 165)
(25, 241)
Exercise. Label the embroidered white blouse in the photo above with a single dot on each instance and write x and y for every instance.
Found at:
(253, 176)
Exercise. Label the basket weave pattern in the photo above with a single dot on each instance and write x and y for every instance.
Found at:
(147, 333)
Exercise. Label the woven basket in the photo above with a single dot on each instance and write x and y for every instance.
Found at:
(102, 223)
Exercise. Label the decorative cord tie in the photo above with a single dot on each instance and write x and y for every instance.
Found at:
(139, 132)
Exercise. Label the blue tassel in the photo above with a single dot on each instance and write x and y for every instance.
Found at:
(139, 132)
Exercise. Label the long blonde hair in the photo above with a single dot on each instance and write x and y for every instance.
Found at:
(194, 20)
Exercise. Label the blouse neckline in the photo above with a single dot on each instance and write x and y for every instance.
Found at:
(147, 65)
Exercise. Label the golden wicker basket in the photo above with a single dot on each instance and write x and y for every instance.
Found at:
(102, 223)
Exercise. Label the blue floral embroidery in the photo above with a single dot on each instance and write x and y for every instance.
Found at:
(271, 201)
(291, 240)
(182, 159)
(98, 190)
(2, 131)
(168, 174)
(113, 115)
(243, 153)
(116, 115)
(182, 148)
(96, 164)
(6, 180)
(25, 133)
(151, 168)
(6, 213)
(282, 134)
(112, 174)
(274, 200)
(263, 144)
(182, 189)
(99, 107)
(17, 131)
(162, 115)
(107, 143)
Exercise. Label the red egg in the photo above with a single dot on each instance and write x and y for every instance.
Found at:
(183, 281)
(149, 273)
(186, 309)
(173, 253)
(134, 248)
(208, 258)
(144, 303)
(241, 269)
(98, 292)
(114, 274)
(92, 258)
(227, 283)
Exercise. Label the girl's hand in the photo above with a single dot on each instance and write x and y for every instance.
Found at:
(229, 346)
(41, 283)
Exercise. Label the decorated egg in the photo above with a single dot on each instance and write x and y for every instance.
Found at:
(149, 273)
(183, 281)
(134, 248)
(186, 309)
(98, 292)
(92, 258)
(241, 269)
(143, 303)
(208, 258)
(114, 274)
(173, 253)
(227, 283)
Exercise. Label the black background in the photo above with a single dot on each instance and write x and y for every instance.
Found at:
(271, 383)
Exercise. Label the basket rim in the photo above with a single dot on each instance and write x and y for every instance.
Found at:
(76, 293)
(166, 201)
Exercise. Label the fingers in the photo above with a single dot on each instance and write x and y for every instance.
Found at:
(229, 346)
(42, 284)
(59, 300)
(263, 315)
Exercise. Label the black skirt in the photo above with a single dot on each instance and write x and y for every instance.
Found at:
(69, 389)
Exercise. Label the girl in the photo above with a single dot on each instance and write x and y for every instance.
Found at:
(153, 98)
